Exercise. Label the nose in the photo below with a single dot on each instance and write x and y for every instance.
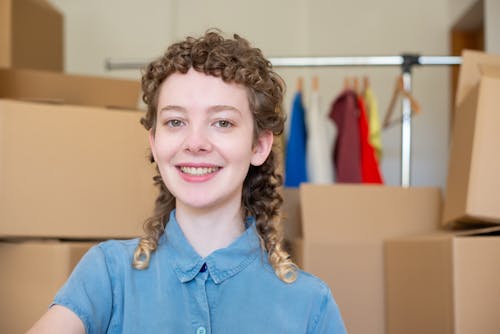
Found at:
(197, 140)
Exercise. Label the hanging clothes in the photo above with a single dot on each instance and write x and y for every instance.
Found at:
(374, 125)
(295, 158)
(370, 172)
(347, 150)
(319, 165)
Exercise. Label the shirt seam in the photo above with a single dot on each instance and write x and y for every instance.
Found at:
(225, 274)
(317, 318)
(111, 279)
(84, 317)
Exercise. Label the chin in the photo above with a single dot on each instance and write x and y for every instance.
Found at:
(196, 204)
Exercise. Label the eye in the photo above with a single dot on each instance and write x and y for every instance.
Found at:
(223, 123)
(174, 123)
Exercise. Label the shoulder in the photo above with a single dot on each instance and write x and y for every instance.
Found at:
(325, 315)
(90, 290)
(304, 284)
(308, 284)
(317, 307)
(309, 288)
(118, 248)
(110, 255)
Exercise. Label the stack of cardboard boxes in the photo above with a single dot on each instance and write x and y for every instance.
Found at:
(395, 262)
(73, 171)
(337, 232)
(73, 162)
(447, 282)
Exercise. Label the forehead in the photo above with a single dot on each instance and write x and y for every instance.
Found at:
(195, 89)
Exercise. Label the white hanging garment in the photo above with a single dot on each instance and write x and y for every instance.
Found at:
(321, 134)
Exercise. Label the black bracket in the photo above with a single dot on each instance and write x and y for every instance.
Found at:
(409, 60)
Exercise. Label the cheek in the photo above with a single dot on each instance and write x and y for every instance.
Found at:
(164, 147)
(243, 153)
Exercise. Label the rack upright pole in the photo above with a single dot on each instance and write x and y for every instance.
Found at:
(406, 134)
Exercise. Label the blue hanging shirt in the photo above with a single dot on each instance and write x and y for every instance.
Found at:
(233, 290)
(295, 158)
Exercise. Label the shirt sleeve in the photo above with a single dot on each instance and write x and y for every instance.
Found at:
(88, 292)
(328, 320)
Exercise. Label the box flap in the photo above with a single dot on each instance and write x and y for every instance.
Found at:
(462, 231)
(487, 230)
(470, 71)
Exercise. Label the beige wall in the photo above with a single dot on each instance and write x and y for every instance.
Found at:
(129, 29)
(492, 26)
(457, 8)
(490, 19)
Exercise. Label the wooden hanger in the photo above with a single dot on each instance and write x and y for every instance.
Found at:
(315, 84)
(356, 85)
(347, 83)
(398, 91)
(351, 83)
(366, 83)
(300, 84)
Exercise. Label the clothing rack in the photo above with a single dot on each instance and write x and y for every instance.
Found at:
(405, 61)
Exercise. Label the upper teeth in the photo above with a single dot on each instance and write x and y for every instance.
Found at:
(198, 170)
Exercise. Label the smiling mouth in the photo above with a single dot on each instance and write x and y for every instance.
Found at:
(199, 171)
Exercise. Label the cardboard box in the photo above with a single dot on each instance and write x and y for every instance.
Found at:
(31, 35)
(444, 283)
(32, 273)
(473, 186)
(342, 229)
(73, 172)
(58, 88)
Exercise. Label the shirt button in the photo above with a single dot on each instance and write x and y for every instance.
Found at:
(201, 330)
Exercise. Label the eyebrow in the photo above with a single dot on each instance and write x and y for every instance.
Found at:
(215, 108)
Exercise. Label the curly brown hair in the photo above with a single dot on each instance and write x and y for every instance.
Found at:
(232, 60)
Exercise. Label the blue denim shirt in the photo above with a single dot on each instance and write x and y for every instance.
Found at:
(233, 290)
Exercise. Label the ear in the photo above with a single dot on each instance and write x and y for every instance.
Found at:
(152, 145)
(262, 148)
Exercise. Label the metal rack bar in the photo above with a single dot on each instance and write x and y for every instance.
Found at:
(126, 64)
(406, 61)
(336, 61)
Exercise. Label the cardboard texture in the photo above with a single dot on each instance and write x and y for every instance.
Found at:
(36, 85)
(473, 186)
(73, 172)
(342, 229)
(31, 35)
(32, 273)
(443, 284)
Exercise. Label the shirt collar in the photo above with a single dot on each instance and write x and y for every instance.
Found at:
(221, 264)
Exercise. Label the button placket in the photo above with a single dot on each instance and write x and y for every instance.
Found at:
(201, 307)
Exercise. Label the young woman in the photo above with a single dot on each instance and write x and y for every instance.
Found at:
(212, 259)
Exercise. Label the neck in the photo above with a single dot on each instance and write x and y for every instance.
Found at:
(208, 231)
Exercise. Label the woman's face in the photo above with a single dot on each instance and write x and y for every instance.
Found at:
(203, 142)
